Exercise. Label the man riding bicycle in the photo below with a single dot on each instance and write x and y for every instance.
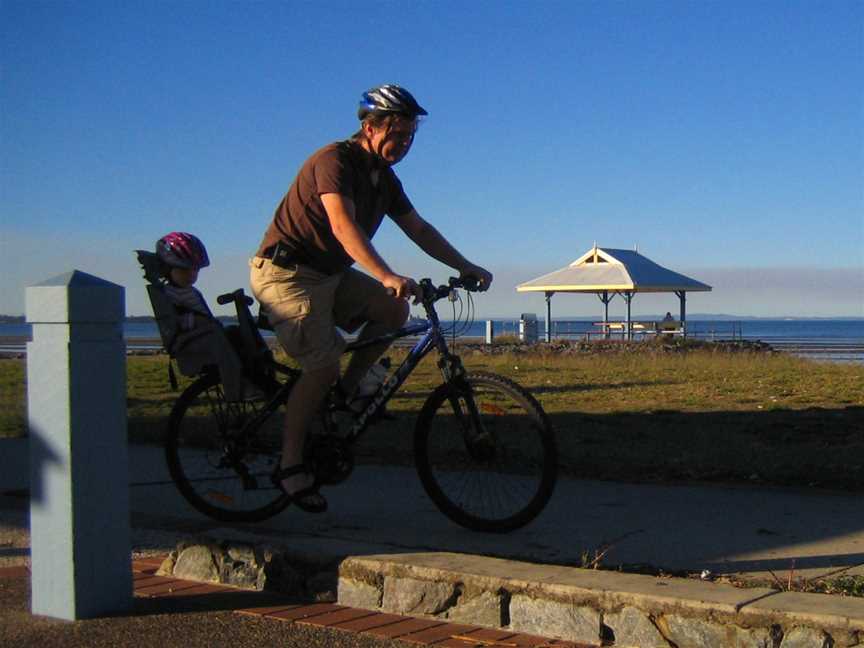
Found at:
(302, 272)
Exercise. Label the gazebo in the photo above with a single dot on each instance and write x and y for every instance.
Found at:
(607, 272)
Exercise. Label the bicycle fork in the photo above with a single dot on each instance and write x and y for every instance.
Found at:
(477, 438)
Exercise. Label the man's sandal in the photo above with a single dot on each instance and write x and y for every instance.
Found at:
(307, 499)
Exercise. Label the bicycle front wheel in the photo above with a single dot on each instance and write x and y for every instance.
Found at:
(221, 465)
(486, 453)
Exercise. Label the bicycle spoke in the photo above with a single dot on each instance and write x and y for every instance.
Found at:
(488, 465)
(221, 466)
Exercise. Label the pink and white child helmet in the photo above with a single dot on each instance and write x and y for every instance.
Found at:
(182, 250)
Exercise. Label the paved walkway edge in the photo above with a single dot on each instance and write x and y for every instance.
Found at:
(592, 606)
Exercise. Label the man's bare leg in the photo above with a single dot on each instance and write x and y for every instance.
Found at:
(363, 359)
(302, 405)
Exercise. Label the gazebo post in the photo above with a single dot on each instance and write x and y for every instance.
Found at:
(682, 296)
(549, 316)
(605, 298)
(628, 297)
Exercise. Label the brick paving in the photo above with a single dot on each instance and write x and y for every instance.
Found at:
(411, 630)
(423, 632)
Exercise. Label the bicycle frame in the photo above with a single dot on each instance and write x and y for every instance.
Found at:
(433, 338)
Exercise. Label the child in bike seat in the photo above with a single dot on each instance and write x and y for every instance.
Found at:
(200, 333)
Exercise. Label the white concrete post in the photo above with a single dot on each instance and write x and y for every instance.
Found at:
(490, 331)
(528, 328)
(79, 469)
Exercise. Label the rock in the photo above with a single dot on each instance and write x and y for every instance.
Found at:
(753, 638)
(691, 633)
(323, 586)
(242, 574)
(633, 628)
(545, 617)
(483, 610)
(846, 639)
(240, 565)
(412, 596)
(698, 633)
(196, 563)
(806, 638)
(167, 566)
(244, 554)
(354, 593)
(278, 575)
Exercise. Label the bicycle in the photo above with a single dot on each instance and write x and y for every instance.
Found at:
(484, 448)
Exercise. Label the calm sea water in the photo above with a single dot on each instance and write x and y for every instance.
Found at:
(750, 329)
(840, 339)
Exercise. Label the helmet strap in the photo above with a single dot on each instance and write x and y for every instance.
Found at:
(384, 139)
(377, 158)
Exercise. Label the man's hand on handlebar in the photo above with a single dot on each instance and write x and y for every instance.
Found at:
(403, 287)
(481, 275)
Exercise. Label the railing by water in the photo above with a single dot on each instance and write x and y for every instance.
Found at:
(815, 342)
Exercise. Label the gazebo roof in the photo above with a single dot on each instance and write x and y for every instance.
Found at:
(607, 269)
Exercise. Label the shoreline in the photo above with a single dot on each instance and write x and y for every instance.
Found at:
(852, 351)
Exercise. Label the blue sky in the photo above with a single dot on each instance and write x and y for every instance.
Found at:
(725, 139)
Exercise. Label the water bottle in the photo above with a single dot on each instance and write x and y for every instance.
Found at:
(373, 379)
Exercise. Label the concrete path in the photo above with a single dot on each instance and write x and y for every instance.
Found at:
(736, 530)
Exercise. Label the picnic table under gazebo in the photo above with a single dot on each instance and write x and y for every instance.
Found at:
(607, 272)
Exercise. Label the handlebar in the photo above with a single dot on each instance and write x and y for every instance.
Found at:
(469, 283)
(433, 294)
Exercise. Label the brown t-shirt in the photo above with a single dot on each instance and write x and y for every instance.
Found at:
(301, 221)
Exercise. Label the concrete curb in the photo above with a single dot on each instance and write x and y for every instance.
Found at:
(598, 606)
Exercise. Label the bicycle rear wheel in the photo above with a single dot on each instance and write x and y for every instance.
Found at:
(486, 455)
(220, 468)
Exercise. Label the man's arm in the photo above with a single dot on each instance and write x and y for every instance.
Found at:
(340, 212)
(433, 243)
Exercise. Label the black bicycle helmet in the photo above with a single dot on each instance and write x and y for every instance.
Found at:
(182, 250)
(389, 98)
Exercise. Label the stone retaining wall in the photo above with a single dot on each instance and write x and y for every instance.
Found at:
(586, 606)
(251, 567)
(589, 606)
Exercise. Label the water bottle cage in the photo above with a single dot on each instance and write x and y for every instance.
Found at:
(372, 381)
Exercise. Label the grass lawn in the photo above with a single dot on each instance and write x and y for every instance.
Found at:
(643, 414)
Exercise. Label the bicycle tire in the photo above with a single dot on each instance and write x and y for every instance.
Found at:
(206, 455)
(509, 487)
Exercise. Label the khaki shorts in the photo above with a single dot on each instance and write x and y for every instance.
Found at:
(305, 307)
